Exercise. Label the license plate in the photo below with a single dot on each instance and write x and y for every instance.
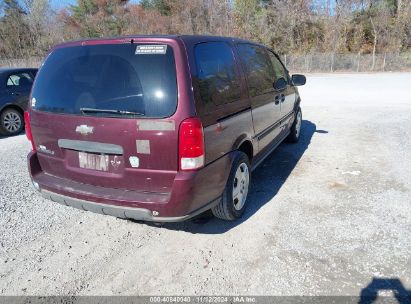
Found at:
(93, 161)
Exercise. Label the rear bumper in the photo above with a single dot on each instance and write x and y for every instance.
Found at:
(138, 214)
(191, 193)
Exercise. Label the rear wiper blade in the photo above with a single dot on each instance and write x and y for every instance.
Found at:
(93, 110)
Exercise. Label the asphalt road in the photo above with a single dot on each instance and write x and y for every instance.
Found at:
(326, 216)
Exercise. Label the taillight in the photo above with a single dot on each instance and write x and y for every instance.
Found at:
(28, 130)
(191, 144)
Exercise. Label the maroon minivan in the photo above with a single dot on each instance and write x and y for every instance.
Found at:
(158, 128)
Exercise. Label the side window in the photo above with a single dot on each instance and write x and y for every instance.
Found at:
(217, 80)
(258, 69)
(278, 67)
(19, 80)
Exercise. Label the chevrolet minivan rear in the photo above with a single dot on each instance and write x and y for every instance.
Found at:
(113, 130)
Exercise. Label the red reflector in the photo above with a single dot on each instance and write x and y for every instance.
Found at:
(28, 130)
(191, 144)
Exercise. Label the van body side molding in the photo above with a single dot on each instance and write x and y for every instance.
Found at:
(275, 125)
(90, 146)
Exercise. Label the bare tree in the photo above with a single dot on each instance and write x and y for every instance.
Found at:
(371, 28)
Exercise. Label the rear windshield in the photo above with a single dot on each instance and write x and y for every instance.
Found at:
(111, 80)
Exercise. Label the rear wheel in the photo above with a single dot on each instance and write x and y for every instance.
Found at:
(11, 122)
(295, 130)
(235, 194)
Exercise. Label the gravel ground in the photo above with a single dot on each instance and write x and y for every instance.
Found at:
(325, 216)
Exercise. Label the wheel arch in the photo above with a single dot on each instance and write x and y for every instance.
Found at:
(244, 144)
(12, 106)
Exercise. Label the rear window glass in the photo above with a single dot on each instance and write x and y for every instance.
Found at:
(107, 80)
(19, 80)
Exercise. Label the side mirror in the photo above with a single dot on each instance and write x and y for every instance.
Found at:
(298, 80)
(280, 84)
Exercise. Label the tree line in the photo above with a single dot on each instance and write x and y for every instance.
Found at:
(32, 27)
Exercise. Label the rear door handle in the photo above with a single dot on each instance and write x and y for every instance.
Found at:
(282, 97)
(15, 93)
(277, 100)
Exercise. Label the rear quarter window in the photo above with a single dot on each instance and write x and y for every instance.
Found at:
(216, 80)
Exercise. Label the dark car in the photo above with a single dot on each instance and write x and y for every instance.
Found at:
(158, 128)
(15, 86)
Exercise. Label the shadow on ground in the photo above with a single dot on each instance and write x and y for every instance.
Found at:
(267, 180)
(9, 136)
(369, 294)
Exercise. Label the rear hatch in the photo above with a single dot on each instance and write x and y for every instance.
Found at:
(102, 114)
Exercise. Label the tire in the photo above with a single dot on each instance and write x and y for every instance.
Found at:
(295, 130)
(239, 182)
(11, 122)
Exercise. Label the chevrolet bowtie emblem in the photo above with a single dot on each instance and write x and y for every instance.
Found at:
(84, 129)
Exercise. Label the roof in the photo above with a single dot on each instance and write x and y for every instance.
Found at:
(8, 69)
(185, 38)
(205, 38)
